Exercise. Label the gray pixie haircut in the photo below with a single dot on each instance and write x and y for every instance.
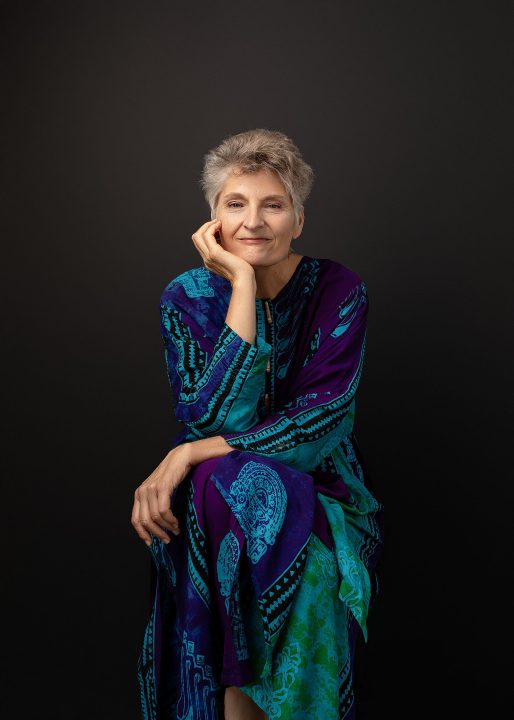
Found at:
(255, 150)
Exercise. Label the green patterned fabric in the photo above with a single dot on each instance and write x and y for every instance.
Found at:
(311, 672)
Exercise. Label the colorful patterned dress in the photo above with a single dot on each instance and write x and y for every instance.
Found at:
(273, 573)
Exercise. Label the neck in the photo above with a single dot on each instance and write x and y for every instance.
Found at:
(271, 279)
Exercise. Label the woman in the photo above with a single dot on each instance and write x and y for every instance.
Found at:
(264, 559)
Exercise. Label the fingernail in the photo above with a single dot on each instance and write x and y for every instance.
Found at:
(148, 542)
(166, 540)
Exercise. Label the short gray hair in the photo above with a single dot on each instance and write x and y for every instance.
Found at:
(252, 151)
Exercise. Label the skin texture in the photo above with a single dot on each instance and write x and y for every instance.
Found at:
(247, 208)
(254, 205)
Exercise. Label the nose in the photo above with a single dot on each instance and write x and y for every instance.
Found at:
(253, 217)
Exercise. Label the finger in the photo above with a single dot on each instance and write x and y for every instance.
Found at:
(136, 522)
(205, 226)
(155, 514)
(211, 243)
(146, 519)
(209, 229)
(200, 245)
(166, 513)
(212, 248)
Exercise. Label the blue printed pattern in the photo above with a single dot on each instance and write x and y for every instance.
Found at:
(163, 560)
(258, 499)
(228, 560)
(288, 315)
(313, 347)
(311, 672)
(355, 588)
(300, 402)
(349, 308)
(196, 283)
(198, 685)
(308, 427)
(197, 552)
(228, 577)
(302, 439)
(275, 603)
(206, 385)
(145, 667)
(308, 359)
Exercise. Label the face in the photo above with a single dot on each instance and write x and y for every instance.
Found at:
(257, 218)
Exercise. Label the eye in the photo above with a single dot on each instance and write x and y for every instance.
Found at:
(233, 203)
(275, 205)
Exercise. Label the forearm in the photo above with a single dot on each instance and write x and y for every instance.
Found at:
(199, 450)
(241, 310)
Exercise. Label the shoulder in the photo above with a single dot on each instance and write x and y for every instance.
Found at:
(189, 286)
(339, 282)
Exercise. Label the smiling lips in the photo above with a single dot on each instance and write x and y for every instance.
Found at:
(253, 240)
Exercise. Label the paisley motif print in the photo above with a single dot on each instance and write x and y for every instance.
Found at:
(313, 347)
(228, 559)
(349, 308)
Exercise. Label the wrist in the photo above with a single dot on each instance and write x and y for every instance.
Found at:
(197, 451)
(185, 452)
(245, 280)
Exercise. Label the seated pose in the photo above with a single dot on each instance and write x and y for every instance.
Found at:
(261, 523)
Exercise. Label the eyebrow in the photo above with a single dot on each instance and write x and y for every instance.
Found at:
(268, 197)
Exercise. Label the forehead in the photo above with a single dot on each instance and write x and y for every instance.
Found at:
(258, 184)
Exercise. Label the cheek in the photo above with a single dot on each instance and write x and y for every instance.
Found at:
(228, 225)
(285, 227)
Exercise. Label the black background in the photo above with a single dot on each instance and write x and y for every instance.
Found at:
(403, 110)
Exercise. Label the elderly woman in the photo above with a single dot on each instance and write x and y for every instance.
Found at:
(262, 527)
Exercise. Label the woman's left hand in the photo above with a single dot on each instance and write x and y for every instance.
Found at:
(151, 511)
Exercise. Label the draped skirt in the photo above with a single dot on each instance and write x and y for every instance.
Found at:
(266, 588)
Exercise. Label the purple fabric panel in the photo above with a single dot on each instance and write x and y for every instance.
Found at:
(212, 481)
(218, 520)
(313, 406)
(294, 527)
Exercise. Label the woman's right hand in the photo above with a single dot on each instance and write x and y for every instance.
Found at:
(215, 257)
(151, 511)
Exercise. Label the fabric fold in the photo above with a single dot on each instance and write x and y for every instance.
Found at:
(281, 535)
(270, 502)
(216, 382)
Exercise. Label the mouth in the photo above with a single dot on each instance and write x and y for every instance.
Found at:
(250, 240)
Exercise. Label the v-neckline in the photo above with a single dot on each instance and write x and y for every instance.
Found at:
(285, 287)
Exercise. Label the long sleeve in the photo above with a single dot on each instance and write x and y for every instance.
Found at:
(321, 410)
(216, 377)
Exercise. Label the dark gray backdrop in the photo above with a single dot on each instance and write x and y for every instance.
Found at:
(402, 108)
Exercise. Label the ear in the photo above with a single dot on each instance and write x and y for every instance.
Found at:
(299, 226)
